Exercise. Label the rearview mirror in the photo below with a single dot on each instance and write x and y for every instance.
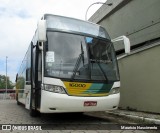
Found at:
(41, 28)
(126, 43)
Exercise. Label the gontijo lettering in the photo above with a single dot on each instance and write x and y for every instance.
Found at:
(77, 85)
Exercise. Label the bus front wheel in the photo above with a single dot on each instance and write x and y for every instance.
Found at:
(33, 112)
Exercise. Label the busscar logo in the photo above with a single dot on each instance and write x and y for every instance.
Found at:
(77, 85)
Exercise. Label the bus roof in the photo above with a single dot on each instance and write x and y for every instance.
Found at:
(75, 25)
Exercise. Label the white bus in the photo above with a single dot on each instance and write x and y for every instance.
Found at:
(70, 66)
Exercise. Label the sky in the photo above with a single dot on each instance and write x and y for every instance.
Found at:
(18, 22)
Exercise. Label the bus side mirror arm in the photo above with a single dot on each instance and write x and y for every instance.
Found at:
(126, 43)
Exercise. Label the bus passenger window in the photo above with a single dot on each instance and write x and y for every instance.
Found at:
(28, 79)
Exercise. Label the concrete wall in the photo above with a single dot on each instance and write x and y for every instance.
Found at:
(140, 71)
(137, 19)
(140, 80)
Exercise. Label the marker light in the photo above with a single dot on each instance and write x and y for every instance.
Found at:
(114, 91)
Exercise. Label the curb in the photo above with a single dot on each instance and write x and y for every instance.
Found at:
(144, 119)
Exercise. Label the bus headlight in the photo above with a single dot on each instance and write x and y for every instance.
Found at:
(54, 88)
(114, 91)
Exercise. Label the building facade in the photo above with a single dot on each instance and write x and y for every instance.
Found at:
(139, 20)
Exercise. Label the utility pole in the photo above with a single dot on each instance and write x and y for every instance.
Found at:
(6, 77)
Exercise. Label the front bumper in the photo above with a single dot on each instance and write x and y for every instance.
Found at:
(57, 103)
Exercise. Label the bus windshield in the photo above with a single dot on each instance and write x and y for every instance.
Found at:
(77, 57)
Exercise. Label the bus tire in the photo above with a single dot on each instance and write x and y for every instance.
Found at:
(33, 113)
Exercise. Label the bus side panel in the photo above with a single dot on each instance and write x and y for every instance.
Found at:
(28, 96)
(23, 79)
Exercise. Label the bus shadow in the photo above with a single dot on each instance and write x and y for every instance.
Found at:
(74, 121)
(73, 118)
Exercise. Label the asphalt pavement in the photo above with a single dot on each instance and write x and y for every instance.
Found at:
(92, 122)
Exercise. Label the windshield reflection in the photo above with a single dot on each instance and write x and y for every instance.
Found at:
(76, 57)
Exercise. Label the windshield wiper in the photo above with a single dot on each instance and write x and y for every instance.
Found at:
(94, 60)
(104, 74)
(81, 57)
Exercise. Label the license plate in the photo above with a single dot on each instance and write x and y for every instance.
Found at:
(90, 103)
